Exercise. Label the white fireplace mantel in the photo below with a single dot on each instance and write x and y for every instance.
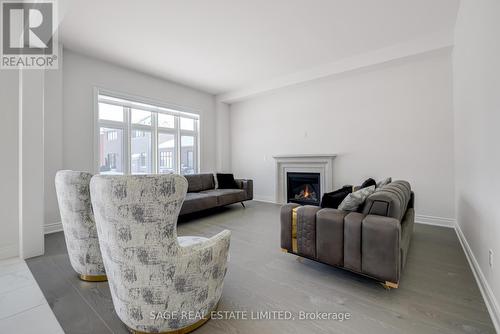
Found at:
(305, 163)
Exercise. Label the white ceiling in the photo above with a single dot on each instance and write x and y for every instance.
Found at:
(224, 45)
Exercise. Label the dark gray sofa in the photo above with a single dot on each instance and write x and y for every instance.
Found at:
(202, 193)
(373, 241)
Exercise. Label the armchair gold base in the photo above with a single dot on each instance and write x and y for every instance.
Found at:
(93, 278)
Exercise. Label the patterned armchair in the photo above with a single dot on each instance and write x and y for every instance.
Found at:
(80, 232)
(158, 282)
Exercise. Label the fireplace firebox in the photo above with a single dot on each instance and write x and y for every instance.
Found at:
(303, 188)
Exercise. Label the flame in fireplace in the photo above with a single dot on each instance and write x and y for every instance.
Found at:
(306, 192)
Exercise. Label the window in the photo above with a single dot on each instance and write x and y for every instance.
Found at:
(111, 160)
(166, 149)
(141, 152)
(137, 133)
(166, 121)
(187, 155)
(110, 150)
(140, 138)
(112, 135)
(110, 112)
(166, 159)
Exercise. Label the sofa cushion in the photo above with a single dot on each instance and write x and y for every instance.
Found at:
(390, 201)
(306, 230)
(226, 196)
(368, 183)
(226, 181)
(247, 186)
(200, 182)
(330, 236)
(197, 202)
(332, 200)
(207, 181)
(384, 182)
(353, 201)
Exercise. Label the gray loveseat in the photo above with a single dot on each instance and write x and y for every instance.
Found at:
(373, 241)
(202, 193)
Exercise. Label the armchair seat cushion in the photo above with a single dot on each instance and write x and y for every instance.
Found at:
(190, 240)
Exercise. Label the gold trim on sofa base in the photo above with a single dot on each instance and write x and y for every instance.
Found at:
(294, 229)
(184, 330)
(93, 278)
(390, 285)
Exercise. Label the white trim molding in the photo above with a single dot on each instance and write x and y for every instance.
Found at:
(305, 163)
(435, 221)
(488, 296)
(52, 228)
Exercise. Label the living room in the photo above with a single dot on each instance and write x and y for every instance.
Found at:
(250, 166)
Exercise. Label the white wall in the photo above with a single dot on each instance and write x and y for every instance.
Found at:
(476, 71)
(390, 120)
(9, 168)
(223, 137)
(31, 167)
(81, 74)
(53, 143)
(22, 167)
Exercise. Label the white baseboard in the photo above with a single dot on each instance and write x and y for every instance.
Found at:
(52, 228)
(435, 221)
(265, 200)
(488, 296)
(9, 251)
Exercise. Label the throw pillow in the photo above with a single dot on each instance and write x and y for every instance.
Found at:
(368, 183)
(355, 199)
(334, 198)
(226, 181)
(384, 182)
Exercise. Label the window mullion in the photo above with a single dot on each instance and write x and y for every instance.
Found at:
(197, 145)
(154, 142)
(177, 145)
(128, 141)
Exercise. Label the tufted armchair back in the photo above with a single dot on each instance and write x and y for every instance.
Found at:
(73, 196)
(149, 272)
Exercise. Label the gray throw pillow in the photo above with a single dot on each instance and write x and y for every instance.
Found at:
(384, 182)
(355, 199)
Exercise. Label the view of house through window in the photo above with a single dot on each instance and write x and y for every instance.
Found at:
(139, 138)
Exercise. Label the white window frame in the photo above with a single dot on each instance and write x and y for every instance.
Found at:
(155, 108)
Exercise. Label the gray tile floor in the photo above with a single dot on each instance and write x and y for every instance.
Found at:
(437, 294)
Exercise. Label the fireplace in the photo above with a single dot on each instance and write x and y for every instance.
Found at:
(321, 165)
(303, 188)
